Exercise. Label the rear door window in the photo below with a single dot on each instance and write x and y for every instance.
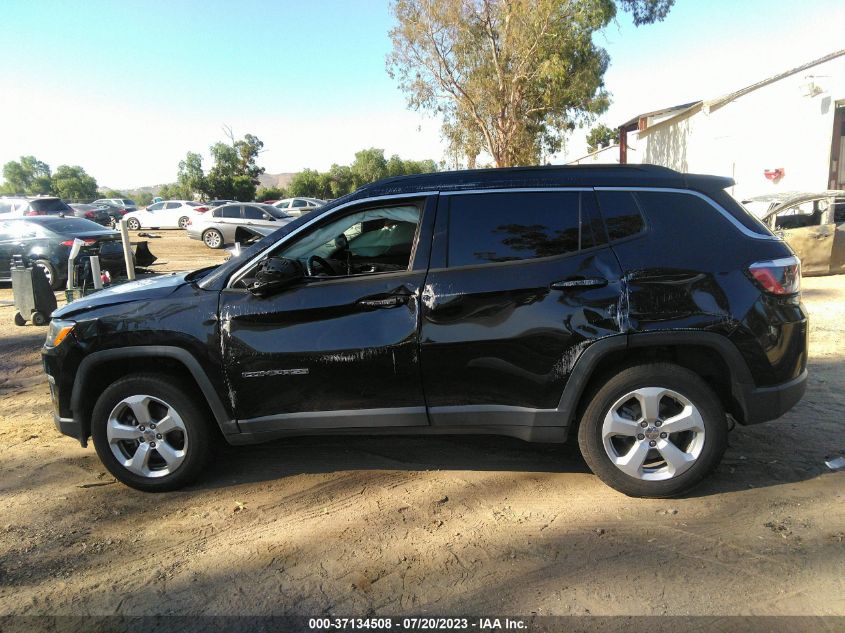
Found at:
(622, 216)
(487, 228)
(173, 205)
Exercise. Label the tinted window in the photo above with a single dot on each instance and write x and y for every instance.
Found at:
(299, 203)
(839, 211)
(501, 227)
(173, 205)
(621, 213)
(156, 206)
(283, 205)
(50, 205)
(128, 203)
(253, 213)
(230, 212)
(70, 226)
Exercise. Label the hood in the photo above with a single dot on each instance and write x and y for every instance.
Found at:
(151, 288)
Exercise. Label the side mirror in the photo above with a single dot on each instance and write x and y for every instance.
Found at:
(275, 274)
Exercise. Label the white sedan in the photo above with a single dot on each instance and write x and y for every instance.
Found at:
(170, 214)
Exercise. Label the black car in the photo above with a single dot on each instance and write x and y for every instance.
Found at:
(46, 242)
(94, 212)
(638, 308)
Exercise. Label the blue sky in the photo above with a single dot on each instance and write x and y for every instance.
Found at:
(125, 88)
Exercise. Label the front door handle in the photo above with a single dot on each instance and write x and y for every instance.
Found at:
(579, 284)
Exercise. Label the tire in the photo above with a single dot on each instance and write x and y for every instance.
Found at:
(19, 320)
(115, 427)
(38, 318)
(133, 224)
(212, 238)
(653, 461)
(49, 273)
(183, 222)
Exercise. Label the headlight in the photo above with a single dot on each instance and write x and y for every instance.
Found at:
(58, 331)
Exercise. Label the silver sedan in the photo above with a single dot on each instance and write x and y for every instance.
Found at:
(220, 226)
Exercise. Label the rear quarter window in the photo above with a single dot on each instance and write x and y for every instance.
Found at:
(621, 213)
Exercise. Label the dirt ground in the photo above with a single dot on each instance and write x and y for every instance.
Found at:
(437, 526)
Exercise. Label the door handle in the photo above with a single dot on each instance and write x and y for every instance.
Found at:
(579, 284)
(389, 301)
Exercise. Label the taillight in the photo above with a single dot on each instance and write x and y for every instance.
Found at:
(32, 212)
(89, 214)
(86, 242)
(201, 209)
(778, 276)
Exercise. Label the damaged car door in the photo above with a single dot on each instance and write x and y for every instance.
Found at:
(339, 347)
(520, 283)
(809, 230)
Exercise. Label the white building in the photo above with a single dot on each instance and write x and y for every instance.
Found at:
(785, 133)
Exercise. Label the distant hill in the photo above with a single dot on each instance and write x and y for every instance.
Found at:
(265, 181)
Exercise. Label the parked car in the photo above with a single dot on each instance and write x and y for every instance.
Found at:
(220, 226)
(170, 214)
(530, 302)
(813, 224)
(298, 206)
(118, 207)
(94, 212)
(46, 242)
(27, 206)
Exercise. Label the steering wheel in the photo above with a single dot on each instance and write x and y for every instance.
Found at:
(316, 259)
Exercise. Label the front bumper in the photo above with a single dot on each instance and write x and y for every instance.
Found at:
(761, 404)
(69, 427)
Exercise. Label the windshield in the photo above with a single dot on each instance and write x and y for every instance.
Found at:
(49, 205)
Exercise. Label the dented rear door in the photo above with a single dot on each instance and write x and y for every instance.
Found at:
(519, 285)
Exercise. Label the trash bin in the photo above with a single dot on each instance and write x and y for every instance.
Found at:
(34, 299)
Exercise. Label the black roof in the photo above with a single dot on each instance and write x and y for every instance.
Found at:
(546, 176)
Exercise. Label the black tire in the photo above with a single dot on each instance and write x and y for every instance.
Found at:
(178, 396)
(212, 238)
(19, 320)
(39, 318)
(665, 375)
(183, 222)
(133, 224)
(49, 273)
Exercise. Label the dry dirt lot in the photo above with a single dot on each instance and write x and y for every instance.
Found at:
(431, 526)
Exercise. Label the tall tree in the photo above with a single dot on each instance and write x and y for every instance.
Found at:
(509, 77)
(71, 182)
(190, 179)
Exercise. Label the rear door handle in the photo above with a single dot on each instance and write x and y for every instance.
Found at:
(578, 284)
(386, 301)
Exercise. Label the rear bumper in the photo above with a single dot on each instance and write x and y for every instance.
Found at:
(761, 404)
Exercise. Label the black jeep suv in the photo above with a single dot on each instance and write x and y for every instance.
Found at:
(640, 307)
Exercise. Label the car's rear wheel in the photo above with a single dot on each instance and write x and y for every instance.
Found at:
(653, 430)
(184, 221)
(150, 433)
(212, 238)
(133, 224)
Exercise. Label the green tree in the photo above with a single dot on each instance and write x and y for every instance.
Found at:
(306, 183)
(234, 174)
(369, 165)
(601, 136)
(71, 182)
(509, 77)
(189, 179)
(27, 176)
(270, 193)
(141, 198)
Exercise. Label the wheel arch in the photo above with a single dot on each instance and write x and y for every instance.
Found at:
(710, 355)
(100, 369)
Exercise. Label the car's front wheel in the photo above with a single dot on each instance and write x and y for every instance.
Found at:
(213, 238)
(133, 224)
(653, 430)
(150, 433)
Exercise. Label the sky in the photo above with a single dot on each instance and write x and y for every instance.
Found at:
(125, 88)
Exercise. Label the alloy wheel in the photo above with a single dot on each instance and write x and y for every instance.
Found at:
(653, 433)
(147, 436)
